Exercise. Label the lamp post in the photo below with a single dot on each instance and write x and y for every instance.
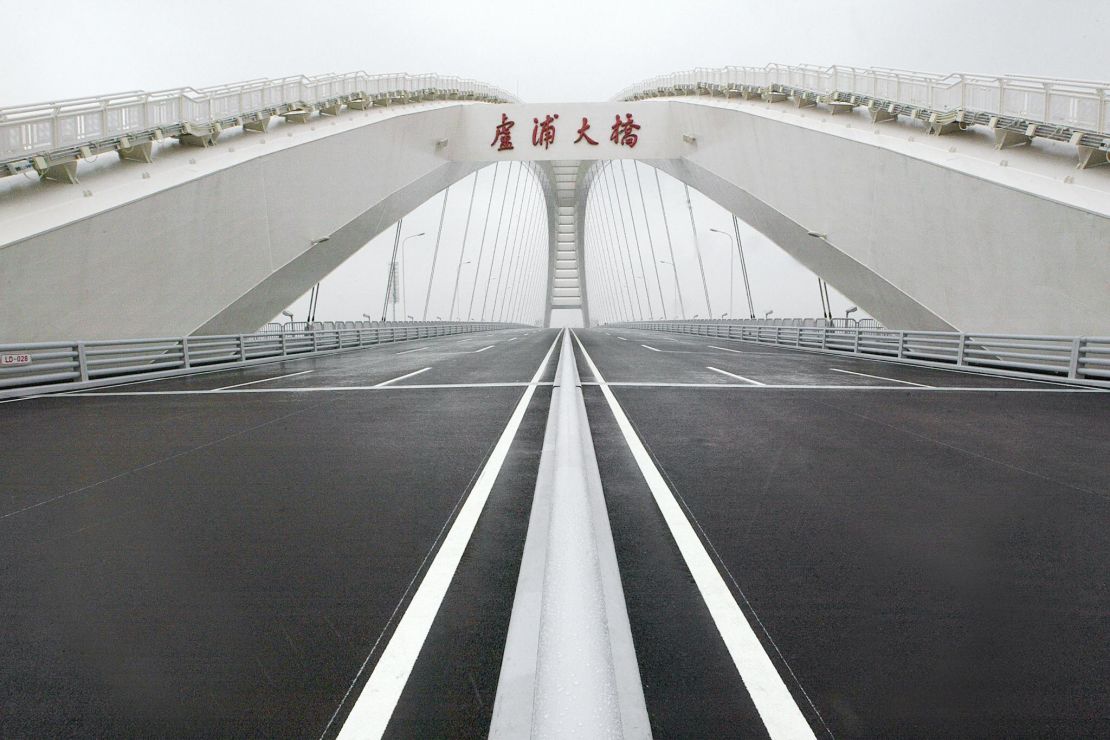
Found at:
(404, 289)
(288, 314)
(731, 277)
(850, 311)
(767, 313)
(674, 269)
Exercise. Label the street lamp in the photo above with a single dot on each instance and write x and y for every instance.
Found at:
(818, 234)
(731, 268)
(851, 310)
(767, 313)
(289, 314)
(404, 290)
(674, 305)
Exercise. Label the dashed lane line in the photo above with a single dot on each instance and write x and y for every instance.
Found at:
(410, 351)
(483, 349)
(745, 352)
(402, 377)
(878, 377)
(734, 375)
(375, 705)
(264, 380)
(653, 349)
(621, 338)
(779, 712)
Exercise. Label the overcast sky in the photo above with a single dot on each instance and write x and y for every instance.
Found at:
(573, 50)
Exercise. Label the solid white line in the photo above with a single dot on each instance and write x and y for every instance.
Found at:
(264, 380)
(653, 349)
(375, 705)
(734, 375)
(777, 708)
(402, 377)
(409, 351)
(483, 349)
(878, 377)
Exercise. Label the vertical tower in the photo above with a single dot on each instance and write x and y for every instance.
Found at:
(566, 276)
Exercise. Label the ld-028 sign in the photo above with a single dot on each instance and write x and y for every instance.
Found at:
(18, 358)
(566, 131)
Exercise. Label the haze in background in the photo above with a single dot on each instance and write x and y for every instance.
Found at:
(574, 50)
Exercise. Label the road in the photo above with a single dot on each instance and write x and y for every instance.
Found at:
(916, 552)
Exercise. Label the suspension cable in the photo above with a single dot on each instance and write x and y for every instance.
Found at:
(435, 253)
(520, 247)
(609, 230)
(462, 250)
(636, 234)
(497, 235)
(482, 245)
(697, 248)
(389, 286)
(502, 293)
(670, 245)
(611, 190)
(626, 257)
(590, 231)
(651, 241)
(743, 266)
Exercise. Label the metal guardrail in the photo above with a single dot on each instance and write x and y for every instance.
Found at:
(55, 135)
(49, 367)
(1018, 108)
(1079, 360)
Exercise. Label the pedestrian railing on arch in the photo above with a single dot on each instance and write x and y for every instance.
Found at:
(1017, 108)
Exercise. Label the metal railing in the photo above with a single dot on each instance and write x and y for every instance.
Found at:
(48, 367)
(1075, 111)
(42, 135)
(1079, 360)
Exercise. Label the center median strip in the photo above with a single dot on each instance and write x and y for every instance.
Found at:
(780, 714)
(374, 706)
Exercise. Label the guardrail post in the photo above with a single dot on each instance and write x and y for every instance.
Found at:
(901, 345)
(855, 343)
(960, 349)
(315, 343)
(284, 346)
(82, 364)
(242, 349)
(1073, 364)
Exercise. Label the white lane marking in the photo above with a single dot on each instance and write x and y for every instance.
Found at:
(734, 375)
(402, 377)
(410, 351)
(653, 349)
(483, 349)
(620, 338)
(514, 339)
(745, 352)
(264, 380)
(777, 708)
(375, 705)
(878, 377)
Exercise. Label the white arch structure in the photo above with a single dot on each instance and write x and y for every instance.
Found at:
(922, 231)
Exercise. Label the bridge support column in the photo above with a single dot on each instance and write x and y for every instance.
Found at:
(566, 206)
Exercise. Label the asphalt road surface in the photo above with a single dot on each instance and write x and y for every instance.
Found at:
(919, 553)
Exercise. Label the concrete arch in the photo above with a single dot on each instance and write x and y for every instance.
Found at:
(221, 239)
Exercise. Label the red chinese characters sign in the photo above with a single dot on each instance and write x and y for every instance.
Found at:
(624, 132)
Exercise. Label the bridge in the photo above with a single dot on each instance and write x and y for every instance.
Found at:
(579, 512)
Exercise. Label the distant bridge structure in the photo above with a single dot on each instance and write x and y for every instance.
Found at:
(858, 174)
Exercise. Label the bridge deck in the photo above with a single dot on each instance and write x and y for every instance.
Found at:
(920, 552)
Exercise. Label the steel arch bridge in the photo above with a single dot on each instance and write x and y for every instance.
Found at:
(858, 174)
